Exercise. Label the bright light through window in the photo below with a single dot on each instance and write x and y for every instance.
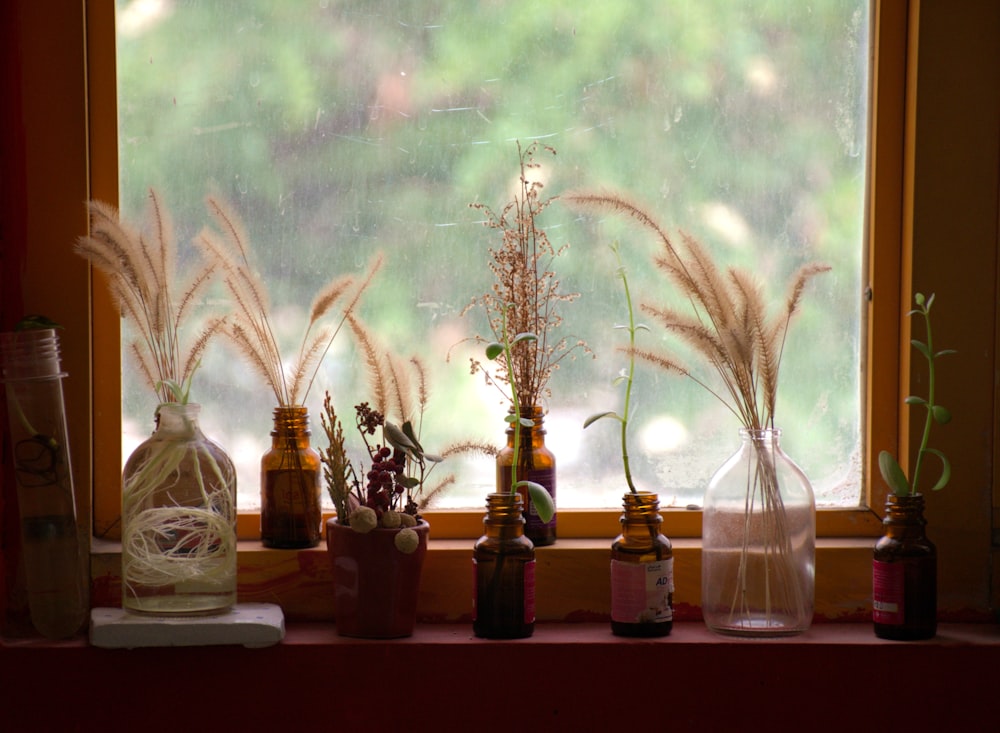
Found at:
(341, 128)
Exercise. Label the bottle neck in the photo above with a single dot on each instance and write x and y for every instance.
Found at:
(31, 354)
(176, 420)
(764, 437)
(504, 515)
(291, 425)
(531, 437)
(904, 515)
(641, 512)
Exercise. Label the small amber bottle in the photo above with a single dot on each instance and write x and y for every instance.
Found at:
(642, 571)
(290, 488)
(503, 559)
(904, 573)
(537, 464)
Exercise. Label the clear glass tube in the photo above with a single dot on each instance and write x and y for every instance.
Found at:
(50, 539)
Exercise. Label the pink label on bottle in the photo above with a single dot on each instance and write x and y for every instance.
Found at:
(475, 587)
(640, 592)
(887, 592)
(529, 592)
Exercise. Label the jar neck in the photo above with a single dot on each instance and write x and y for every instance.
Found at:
(175, 419)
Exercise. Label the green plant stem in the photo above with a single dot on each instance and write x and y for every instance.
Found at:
(516, 424)
(929, 421)
(631, 370)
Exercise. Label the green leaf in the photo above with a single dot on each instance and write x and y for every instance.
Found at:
(32, 322)
(433, 457)
(945, 470)
(921, 347)
(914, 400)
(409, 482)
(594, 418)
(526, 422)
(945, 352)
(408, 430)
(526, 336)
(541, 499)
(892, 474)
(396, 436)
(941, 414)
(619, 379)
(511, 419)
(641, 327)
(493, 350)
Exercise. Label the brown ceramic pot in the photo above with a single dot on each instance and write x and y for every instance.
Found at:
(375, 584)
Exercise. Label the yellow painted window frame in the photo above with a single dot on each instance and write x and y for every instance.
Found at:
(71, 154)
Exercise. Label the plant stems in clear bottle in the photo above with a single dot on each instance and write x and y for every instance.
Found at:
(178, 520)
(642, 571)
(758, 542)
(504, 573)
(50, 540)
(290, 486)
(904, 573)
(537, 464)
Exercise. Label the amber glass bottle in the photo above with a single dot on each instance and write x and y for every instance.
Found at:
(503, 559)
(642, 571)
(290, 489)
(537, 464)
(904, 573)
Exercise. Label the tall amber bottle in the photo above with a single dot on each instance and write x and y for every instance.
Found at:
(503, 560)
(904, 573)
(537, 464)
(290, 488)
(642, 571)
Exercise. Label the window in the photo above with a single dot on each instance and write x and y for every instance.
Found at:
(950, 179)
(339, 129)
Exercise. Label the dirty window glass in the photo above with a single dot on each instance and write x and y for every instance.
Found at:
(338, 129)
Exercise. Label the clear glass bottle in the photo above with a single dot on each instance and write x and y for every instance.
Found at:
(178, 520)
(50, 541)
(642, 571)
(758, 542)
(537, 464)
(290, 487)
(904, 573)
(503, 559)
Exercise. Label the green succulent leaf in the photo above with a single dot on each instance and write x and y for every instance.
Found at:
(526, 422)
(945, 352)
(526, 336)
(921, 347)
(892, 474)
(914, 400)
(942, 415)
(410, 482)
(945, 470)
(433, 458)
(594, 418)
(541, 499)
(512, 419)
(409, 432)
(397, 437)
(493, 350)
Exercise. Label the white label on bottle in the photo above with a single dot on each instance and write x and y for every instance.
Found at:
(641, 592)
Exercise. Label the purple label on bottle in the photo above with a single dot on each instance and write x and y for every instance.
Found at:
(547, 478)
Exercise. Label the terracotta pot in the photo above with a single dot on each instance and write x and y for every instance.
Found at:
(374, 584)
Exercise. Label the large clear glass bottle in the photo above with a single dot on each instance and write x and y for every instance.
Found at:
(290, 487)
(503, 559)
(642, 571)
(178, 520)
(904, 573)
(50, 541)
(758, 542)
(538, 464)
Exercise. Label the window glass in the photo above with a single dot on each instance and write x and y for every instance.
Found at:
(338, 129)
